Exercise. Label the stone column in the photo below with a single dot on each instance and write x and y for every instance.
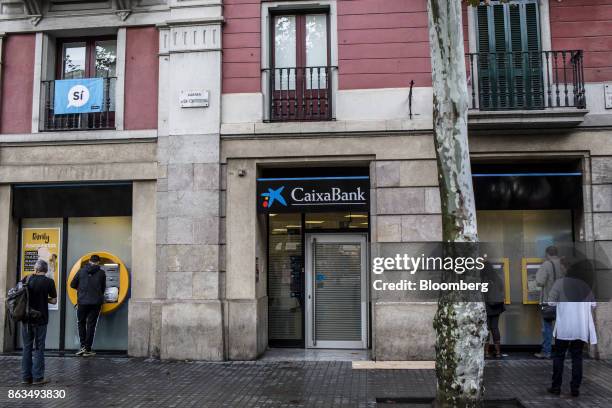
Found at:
(246, 293)
(187, 279)
(601, 198)
(144, 312)
(8, 259)
(405, 208)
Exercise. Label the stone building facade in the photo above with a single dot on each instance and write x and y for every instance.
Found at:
(215, 277)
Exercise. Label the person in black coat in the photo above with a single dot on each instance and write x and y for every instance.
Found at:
(494, 304)
(90, 284)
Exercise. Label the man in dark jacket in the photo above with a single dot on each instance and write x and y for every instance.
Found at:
(41, 292)
(90, 283)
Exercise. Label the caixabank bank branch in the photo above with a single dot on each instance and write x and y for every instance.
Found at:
(247, 217)
(313, 224)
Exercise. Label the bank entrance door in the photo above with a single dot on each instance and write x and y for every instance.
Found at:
(336, 295)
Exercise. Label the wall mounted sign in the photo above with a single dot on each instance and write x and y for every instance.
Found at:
(608, 95)
(41, 243)
(313, 194)
(78, 96)
(195, 98)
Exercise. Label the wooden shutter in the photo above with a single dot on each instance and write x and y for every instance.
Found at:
(510, 68)
(535, 99)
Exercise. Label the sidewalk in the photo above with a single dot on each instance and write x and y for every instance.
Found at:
(125, 382)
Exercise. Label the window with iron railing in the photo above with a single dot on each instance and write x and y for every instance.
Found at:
(300, 77)
(511, 72)
(82, 58)
(526, 80)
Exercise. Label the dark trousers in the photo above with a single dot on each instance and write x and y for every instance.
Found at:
(87, 316)
(575, 348)
(33, 337)
(493, 324)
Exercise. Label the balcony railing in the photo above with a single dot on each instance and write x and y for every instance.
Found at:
(105, 119)
(506, 81)
(299, 93)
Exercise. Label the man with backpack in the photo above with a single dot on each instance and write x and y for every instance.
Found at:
(90, 283)
(40, 292)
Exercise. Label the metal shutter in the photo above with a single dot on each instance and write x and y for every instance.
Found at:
(337, 291)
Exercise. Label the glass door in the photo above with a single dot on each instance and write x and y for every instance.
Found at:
(336, 291)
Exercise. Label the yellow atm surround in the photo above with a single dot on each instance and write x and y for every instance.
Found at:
(124, 279)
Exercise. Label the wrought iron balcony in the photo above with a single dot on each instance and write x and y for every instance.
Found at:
(105, 119)
(538, 80)
(299, 94)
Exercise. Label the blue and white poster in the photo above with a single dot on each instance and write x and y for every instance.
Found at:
(78, 95)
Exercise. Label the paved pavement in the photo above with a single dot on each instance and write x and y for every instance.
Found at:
(126, 382)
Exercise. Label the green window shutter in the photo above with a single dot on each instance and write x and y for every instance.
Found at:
(510, 64)
(485, 69)
(535, 95)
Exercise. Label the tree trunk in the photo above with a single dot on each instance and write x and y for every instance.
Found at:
(460, 321)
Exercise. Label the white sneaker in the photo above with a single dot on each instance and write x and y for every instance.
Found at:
(80, 352)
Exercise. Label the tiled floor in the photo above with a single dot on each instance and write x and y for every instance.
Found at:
(134, 383)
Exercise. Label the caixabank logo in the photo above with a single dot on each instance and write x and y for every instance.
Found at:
(312, 194)
(273, 196)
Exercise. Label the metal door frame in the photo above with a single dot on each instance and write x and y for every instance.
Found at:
(309, 293)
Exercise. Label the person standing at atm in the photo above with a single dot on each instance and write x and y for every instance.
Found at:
(549, 272)
(90, 284)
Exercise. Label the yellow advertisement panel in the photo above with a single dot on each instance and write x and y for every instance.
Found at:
(41, 243)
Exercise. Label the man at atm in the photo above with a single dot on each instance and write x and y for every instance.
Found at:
(90, 284)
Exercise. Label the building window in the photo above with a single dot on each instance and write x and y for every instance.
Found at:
(300, 77)
(510, 69)
(88, 59)
(83, 58)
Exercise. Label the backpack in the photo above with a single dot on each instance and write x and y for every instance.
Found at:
(18, 304)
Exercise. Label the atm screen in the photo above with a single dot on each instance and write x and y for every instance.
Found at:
(111, 294)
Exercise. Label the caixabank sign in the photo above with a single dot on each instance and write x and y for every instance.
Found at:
(313, 194)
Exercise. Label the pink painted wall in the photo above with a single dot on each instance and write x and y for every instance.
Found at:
(241, 46)
(141, 78)
(381, 43)
(585, 25)
(17, 83)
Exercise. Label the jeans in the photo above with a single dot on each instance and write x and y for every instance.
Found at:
(575, 347)
(33, 335)
(547, 333)
(87, 318)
